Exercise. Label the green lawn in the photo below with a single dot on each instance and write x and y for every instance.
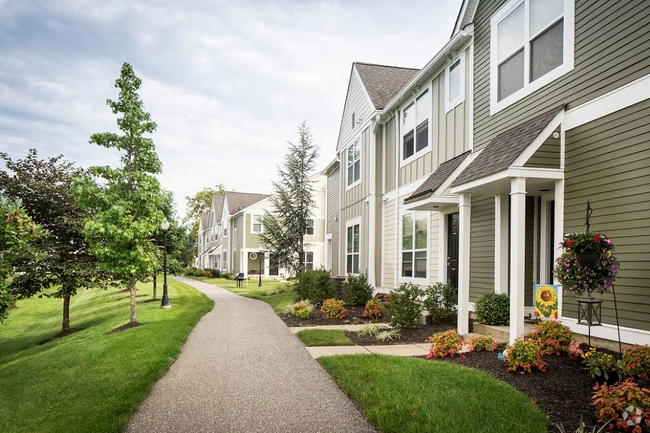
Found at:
(90, 381)
(413, 395)
(250, 290)
(325, 337)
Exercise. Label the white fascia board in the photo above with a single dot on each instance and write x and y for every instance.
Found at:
(407, 189)
(539, 140)
(525, 172)
(426, 203)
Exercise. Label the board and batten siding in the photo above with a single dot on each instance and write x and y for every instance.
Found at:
(358, 102)
(612, 48)
(390, 244)
(357, 210)
(333, 207)
(360, 191)
(608, 162)
(481, 254)
(390, 179)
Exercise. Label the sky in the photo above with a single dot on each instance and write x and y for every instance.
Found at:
(228, 83)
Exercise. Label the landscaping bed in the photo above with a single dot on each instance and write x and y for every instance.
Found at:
(411, 335)
(317, 318)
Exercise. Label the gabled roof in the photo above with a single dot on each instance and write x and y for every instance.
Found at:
(240, 200)
(217, 203)
(437, 178)
(383, 82)
(204, 220)
(505, 148)
(465, 15)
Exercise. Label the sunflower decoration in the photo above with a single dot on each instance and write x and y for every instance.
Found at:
(546, 301)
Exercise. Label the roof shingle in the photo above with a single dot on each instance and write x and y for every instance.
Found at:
(383, 82)
(240, 200)
(217, 202)
(437, 178)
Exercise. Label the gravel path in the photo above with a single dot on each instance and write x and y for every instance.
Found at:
(242, 370)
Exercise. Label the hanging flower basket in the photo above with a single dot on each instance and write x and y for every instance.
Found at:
(588, 263)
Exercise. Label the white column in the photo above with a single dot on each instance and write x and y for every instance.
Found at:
(517, 257)
(267, 263)
(501, 224)
(243, 262)
(559, 233)
(464, 218)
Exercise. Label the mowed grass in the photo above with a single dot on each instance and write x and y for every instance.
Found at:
(89, 381)
(414, 395)
(249, 289)
(325, 337)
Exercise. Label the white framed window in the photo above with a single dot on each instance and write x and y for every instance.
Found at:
(256, 223)
(354, 164)
(531, 44)
(455, 83)
(310, 227)
(414, 246)
(308, 260)
(353, 246)
(415, 128)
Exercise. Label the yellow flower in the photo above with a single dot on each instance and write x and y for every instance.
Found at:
(546, 297)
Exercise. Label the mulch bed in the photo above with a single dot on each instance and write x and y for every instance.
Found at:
(354, 318)
(563, 392)
(416, 334)
(125, 327)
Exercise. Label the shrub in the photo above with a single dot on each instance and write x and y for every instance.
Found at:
(302, 309)
(278, 289)
(441, 301)
(404, 308)
(552, 337)
(333, 309)
(214, 273)
(356, 289)
(601, 364)
(626, 406)
(205, 273)
(315, 285)
(228, 276)
(493, 309)
(374, 309)
(387, 334)
(370, 329)
(443, 344)
(523, 355)
(483, 343)
(636, 361)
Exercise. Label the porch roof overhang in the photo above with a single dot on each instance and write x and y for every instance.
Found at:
(506, 155)
(209, 250)
(440, 179)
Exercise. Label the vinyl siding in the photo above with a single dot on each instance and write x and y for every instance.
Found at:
(357, 101)
(481, 259)
(612, 48)
(333, 207)
(608, 162)
(547, 156)
(252, 239)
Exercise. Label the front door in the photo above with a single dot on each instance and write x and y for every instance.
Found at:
(452, 249)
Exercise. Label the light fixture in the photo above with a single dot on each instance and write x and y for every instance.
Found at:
(164, 225)
(556, 134)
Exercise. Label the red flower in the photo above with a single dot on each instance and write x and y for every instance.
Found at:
(569, 243)
(596, 239)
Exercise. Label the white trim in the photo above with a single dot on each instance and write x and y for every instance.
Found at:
(350, 223)
(517, 257)
(559, 233)
(529, 87)
(450, 105)
(470, 99)
(416, 153)
(407, 189)
(618, 99)
(539, 140)
(525, 172)
(443, 241)
(358, 140)
(329, 256)
(609, 332)
(253, 215)
(372, 238)
(416, 280)
(464, 221)
(431, 203)
(501, 225)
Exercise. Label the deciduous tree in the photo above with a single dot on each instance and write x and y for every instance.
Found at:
(196, 205)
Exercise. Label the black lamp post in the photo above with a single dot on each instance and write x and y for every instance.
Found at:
(165, 299)
(259, 284)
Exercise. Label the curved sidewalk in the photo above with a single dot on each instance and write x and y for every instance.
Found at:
(242, 370)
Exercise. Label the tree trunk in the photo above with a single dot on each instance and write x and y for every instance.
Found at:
(132, 296)
(65, 327)
(155, 285)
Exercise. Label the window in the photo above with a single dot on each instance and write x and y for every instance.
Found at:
(225, 261)
(352, 249)
(455, 83)
(354, 123)
(531, 45)
(256, 222)
(414, 245)
(308, 261)
(310, 227)
(354, 163)
(415, 126)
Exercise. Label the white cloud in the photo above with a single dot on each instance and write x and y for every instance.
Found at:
(227, 83)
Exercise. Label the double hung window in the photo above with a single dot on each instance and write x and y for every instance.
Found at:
(415, 126)
(414, 245)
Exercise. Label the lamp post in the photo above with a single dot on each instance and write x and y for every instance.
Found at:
(259, 284)
(165, 299)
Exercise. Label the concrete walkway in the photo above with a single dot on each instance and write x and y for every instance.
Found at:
(354, 328)
(387, 349)
(242, 370)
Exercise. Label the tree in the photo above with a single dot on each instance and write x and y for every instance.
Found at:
(196, 205)
(128, 200)
(65, 262)
(17, 231)
(292, 203)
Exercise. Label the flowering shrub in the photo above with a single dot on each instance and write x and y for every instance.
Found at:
(483, 343)
(374, 309)
(576, 279)
(574, 351)
(636, 361)
(333, 309)
(443, 344)
(601, 364)
(552, 337)
(625, 406)
(523, 355)
(302, 309)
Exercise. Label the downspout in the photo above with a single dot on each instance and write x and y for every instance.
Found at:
(398, 239)
(372, 238)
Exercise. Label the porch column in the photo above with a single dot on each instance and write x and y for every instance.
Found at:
(267, 261)
(501, 224)
(559, 235)
(517, 257)
(464, 215)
